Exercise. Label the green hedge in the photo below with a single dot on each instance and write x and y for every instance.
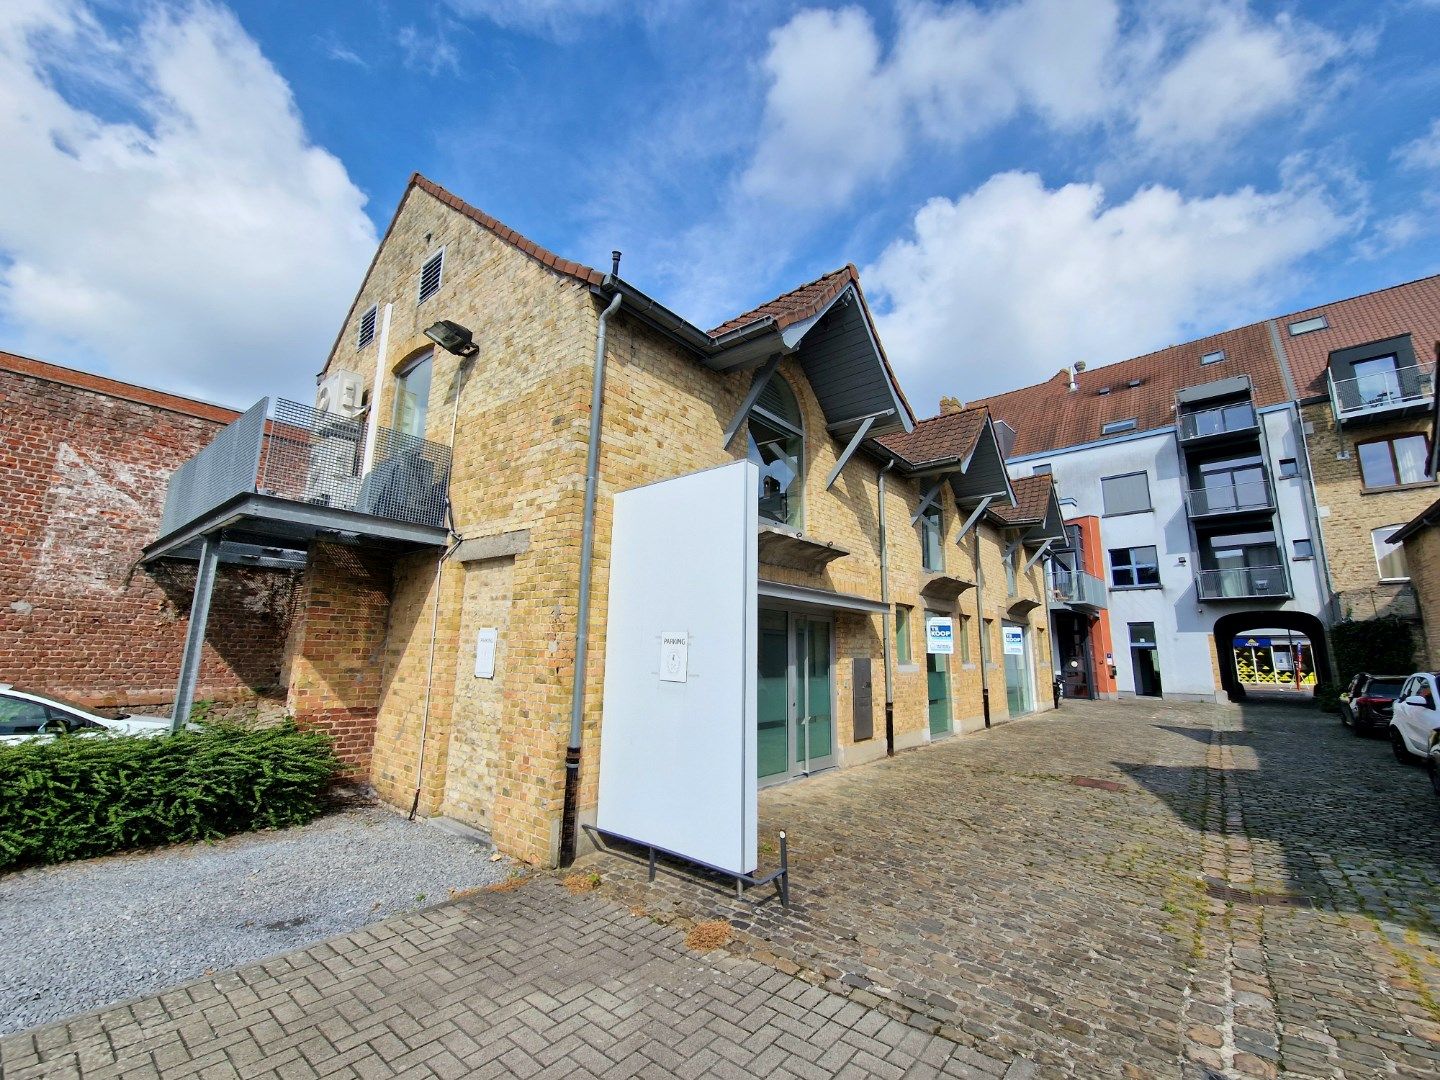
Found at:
(73, 798)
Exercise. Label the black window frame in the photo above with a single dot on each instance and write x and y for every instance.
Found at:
(1133, 567)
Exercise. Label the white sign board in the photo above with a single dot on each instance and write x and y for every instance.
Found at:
(1014, 640)
(485, 652)
(678, 727)
(939, 635)
(674, 656)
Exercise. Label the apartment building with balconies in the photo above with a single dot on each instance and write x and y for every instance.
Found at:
(1241, 483)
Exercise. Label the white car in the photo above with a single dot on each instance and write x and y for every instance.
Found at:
(26, 715)
(1415, 719)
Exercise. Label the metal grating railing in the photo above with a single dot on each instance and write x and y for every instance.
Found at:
(219, 472)
(314, 457)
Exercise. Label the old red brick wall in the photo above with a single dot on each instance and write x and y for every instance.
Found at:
(334, 666)
(83, 467)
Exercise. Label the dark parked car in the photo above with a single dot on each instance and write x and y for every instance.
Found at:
(1369, 700)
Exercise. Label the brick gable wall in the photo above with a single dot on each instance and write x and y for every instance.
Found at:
(82, 481)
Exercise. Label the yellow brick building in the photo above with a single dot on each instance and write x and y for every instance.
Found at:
(800, 386)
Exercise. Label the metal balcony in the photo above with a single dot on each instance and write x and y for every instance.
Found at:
(276, 478)
(1382, 396)
(1076, 589)
(1244, 583)
(1246, 497)
(1223, 423)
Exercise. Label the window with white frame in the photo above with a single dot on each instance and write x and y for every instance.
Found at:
(932, 538)
(1389, 558)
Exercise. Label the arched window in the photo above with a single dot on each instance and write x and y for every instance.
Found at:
(777, 445)
(412, 397)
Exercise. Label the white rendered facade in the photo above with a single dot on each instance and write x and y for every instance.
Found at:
(1184, 623)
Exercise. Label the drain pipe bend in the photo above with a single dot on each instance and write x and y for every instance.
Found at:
(582, 622)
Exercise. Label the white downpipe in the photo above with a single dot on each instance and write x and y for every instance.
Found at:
(372, 421)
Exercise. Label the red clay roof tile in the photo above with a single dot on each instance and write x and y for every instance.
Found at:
(941, 438)
(1049, 415)
(1032, 501)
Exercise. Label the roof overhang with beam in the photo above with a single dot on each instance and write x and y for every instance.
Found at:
(836, 348)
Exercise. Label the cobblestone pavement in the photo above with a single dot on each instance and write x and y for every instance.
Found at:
(1127, 889)
(1117, 888)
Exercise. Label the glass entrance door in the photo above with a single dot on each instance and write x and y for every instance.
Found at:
(1019, 692)
(937, 682)
(772, 704)
(814, 724)
(793, 705)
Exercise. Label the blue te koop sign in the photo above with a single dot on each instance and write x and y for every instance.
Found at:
(939, 636)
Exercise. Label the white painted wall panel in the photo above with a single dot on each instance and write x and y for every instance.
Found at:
(677, 758)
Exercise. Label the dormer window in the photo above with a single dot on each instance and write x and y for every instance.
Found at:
(777, 445)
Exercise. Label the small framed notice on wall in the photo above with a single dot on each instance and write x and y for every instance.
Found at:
(485, 652)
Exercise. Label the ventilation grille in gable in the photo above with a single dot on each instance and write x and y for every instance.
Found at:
(430, 275)
(367, 327)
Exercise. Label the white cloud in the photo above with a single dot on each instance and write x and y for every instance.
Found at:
(560, 20)
(1000, 287)
(841, 111)
(1235, 71)
(432, 53)
(1424, 152)
(205, 244)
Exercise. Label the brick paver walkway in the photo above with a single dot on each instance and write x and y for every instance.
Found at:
(1136, 889)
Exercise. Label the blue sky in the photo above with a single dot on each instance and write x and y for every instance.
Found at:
(193, 189)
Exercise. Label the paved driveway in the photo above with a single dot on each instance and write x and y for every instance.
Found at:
(1133, 889)
(1117, 887)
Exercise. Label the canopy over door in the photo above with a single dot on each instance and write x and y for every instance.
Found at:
(678, 731)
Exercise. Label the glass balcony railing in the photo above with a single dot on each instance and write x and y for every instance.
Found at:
(1076, 588)
(1237, 418)
(1379, 393)
(1244, 497)
(1244, 583)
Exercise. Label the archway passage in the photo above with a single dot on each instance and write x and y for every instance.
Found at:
(1228, 627)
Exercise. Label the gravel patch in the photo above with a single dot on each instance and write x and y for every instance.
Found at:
(81, 935)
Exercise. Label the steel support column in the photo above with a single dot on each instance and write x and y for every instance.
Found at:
(195, 636)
